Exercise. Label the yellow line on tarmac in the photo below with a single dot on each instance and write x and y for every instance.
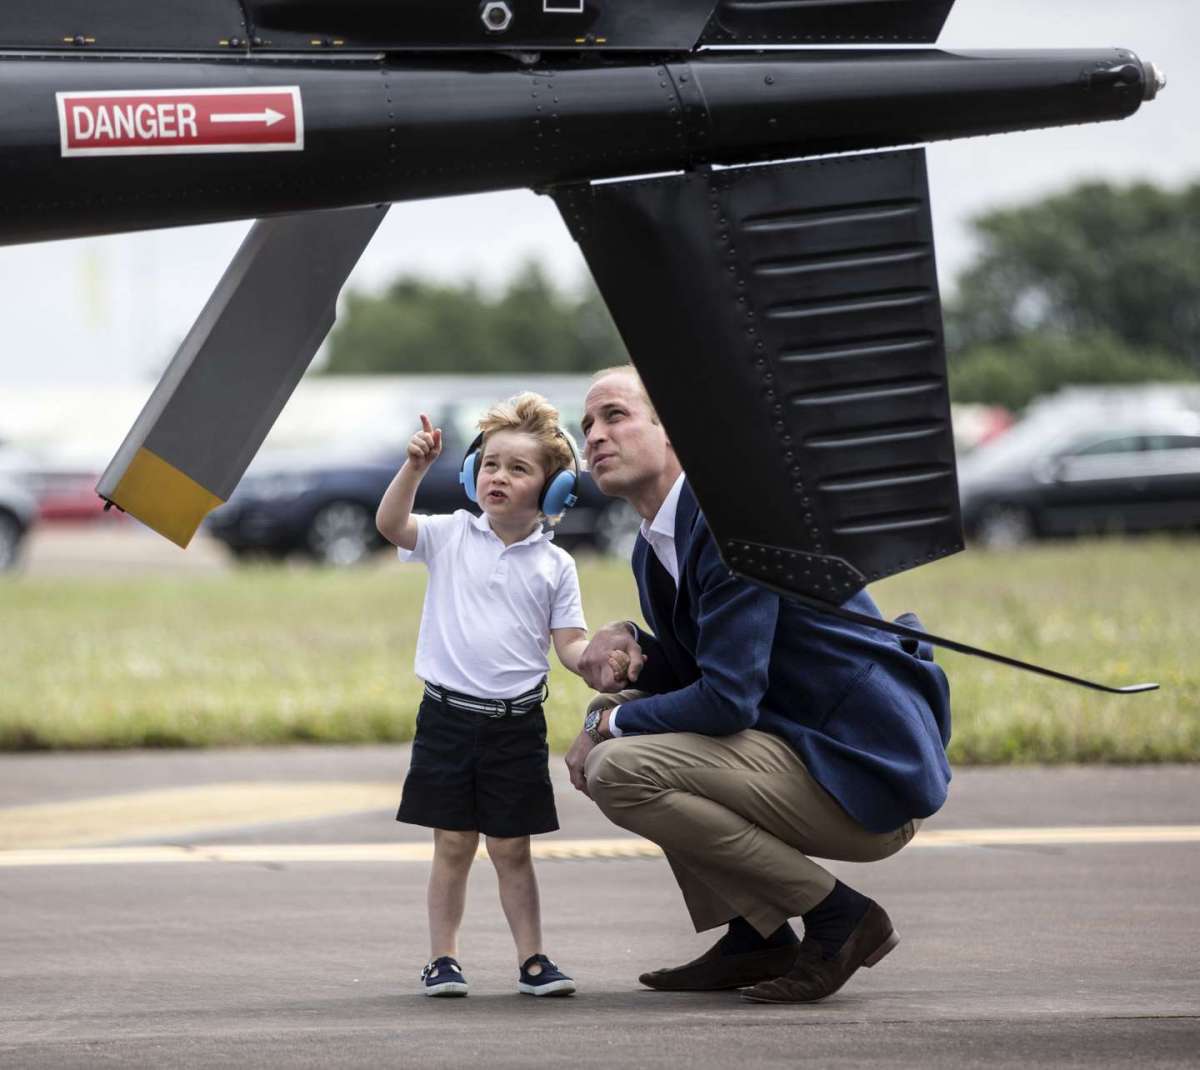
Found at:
(620, 848)
(311, 852)
(1063, 834)
(179, 813)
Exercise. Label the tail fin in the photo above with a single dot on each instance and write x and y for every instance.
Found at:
(786, 321)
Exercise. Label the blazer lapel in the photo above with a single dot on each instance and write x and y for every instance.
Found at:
(656, 589)
(665, 603)
(645, 584)
(662, 588)
(685, 517)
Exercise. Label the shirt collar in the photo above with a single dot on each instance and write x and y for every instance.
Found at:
(663, 523)
(539, 534)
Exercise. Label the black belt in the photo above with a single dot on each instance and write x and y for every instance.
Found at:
(490, 707)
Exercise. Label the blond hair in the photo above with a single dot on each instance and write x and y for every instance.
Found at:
(632, 372)
(531, 414)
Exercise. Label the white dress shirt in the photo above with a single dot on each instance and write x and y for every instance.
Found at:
(660, 534)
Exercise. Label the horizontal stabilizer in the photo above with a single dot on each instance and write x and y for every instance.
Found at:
(236, 369)
(799, 22)
(786, 322)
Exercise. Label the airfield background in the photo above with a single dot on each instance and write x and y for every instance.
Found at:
(91, 664)
(117, 639)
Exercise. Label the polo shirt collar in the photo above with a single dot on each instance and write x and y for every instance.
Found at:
(539, 534)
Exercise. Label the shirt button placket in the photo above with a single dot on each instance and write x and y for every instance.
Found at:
(500, 569)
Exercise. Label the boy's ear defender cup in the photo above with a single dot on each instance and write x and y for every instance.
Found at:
(559, 492)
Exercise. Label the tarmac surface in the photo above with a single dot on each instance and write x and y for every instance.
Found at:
(115, 546)
(262, 908)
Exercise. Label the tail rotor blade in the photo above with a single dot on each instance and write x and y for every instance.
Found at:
(236, 369)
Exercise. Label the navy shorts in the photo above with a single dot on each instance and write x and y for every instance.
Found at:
(470, 772)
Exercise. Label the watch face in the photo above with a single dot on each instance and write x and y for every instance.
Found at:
(592, 721)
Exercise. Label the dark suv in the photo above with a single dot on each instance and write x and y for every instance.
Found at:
(322, 503)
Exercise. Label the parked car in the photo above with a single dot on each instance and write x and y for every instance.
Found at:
(1078, 469)
(322, 503)
(67, 492)
(18, 508)
(977, 425)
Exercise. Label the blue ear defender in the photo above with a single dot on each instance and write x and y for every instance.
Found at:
(562, 488)
(559, 492)
(468, 475)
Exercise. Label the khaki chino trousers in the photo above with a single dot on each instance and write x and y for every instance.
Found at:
(738, 818)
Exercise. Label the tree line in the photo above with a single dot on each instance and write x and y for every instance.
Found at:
(1098, 284)
(419, 325)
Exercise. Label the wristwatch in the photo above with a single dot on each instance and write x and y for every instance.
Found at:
(591, 725)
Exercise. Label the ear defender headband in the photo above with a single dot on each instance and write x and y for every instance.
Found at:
(559, 492)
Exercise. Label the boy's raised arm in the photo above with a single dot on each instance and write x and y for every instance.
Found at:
(394, 517)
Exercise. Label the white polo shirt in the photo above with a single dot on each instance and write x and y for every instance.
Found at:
(489, 608)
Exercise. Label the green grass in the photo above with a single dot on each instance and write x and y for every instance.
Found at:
(292, 655)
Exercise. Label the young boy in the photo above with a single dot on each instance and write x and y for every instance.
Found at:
(498, 592)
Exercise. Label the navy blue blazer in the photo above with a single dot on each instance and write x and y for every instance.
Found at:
(868, 713)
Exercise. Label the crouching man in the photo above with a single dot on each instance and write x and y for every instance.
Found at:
(761, 734)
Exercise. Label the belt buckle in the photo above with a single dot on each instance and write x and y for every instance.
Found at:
(495, 715)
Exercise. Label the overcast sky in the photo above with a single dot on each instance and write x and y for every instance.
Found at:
(112, 309)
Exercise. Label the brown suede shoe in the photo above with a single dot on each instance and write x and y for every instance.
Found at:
(814, 977)
(713, 971)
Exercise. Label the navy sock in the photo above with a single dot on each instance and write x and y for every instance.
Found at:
(833, 919)
(744, 937)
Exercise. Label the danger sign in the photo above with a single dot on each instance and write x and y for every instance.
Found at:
(161, 121)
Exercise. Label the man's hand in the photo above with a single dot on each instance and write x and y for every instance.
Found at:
(425, 446)
(599, 670)
(576, 758)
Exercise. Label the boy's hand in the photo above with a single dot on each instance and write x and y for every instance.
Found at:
(594, 663)
(618, 662)
(425, 446)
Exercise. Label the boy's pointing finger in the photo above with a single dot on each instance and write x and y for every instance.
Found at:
(425, 424)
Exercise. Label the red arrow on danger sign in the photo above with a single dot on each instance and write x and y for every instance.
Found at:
(136, 122)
